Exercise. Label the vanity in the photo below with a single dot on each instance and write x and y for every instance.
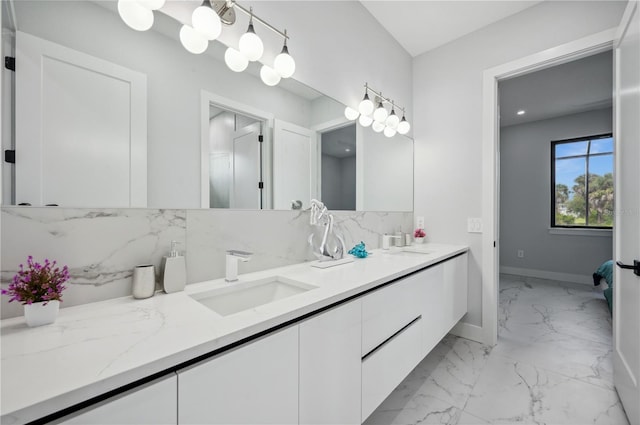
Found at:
(329, 353)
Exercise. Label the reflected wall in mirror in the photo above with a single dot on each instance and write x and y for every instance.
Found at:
(145, 139)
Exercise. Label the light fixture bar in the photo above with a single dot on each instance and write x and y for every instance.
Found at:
(262, 21)
(382, 98)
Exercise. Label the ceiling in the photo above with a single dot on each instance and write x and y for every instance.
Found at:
(578, 86)
(420, 26)
(336, 142)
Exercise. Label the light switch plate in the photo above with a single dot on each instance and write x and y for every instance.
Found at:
(420, 222)
(474, 225)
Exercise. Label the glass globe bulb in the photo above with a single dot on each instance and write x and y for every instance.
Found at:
(392, 120)
(192, 40)
(380, 114)
(251, 45)
(350, 113)
(377, 126)
(135, 15)
(235, 60)
(366, 106)
(403, 126)
(269, 75)
(389, 132)
(207, 22)
(284, 64)
(365, 120)
(152, 4)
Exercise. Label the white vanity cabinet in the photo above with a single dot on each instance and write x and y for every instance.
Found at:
(256, 383)
(153, 403)
(391, 338)
(330, 371)
(455, 289)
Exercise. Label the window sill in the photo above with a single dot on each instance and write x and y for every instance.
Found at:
(607, 233)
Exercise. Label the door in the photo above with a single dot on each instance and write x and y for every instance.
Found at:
(81, 128)
(626, 304)
(246, 167)
(294, 165)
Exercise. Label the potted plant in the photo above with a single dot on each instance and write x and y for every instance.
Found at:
(39, 288)
(419, 235)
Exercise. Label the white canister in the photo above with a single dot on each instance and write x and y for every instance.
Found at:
(144, 281)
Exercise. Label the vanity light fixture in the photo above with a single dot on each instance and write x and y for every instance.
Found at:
(392, 120)
(138, 14)
(366, 105)
(250, 44)
(206, 25)
(380, 114)
(379, 119)
(403, 125)
(377, 126)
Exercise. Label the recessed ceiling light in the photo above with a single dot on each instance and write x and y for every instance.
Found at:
(347, 150)
(521, 112)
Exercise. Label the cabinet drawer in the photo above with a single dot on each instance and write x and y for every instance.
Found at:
(386, 367)
(389, 309)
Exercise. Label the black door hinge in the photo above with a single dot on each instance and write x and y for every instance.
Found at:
(261, 138)
(10, 156)
(260, 185)
(10, 63)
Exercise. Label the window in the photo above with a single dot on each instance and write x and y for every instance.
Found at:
(582, 182)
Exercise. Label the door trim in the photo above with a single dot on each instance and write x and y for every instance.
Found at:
(207, 99)
(563, 53)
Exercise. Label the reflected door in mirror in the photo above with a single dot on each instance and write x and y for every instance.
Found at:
(80, 129)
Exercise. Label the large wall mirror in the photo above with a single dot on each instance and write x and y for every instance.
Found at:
(103, 116)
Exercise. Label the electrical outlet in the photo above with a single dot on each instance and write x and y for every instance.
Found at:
(474, 225)
(520, 253)
(420, 222)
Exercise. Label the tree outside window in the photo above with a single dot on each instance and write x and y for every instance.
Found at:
(582, 178)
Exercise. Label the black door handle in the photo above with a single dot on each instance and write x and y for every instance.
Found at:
(635, 267)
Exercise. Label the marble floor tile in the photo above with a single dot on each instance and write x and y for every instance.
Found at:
(510, 391)
(421, 409)
(552, 365)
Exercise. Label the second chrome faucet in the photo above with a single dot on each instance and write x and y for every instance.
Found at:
(232, 258)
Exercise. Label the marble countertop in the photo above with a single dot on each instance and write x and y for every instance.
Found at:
(94, 348)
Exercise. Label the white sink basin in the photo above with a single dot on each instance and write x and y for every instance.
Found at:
(240, 296)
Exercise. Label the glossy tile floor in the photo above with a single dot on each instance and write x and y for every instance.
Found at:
(552, 365)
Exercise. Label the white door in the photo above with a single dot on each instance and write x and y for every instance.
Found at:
(81, 128)
(294, 165)
(626, 304)
(246, 167)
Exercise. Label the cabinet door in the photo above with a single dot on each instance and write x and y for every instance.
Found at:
(388, 309)
(154, 403)
(256, 383)
(455, 289)
(330, 371)
(433, 305)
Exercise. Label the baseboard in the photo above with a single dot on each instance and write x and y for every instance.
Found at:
(543, 274)
(468, 331)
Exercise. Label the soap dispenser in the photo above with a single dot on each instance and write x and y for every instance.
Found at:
(174, 271)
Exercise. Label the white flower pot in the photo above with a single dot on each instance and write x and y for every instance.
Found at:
(38, 314)
(419, 240)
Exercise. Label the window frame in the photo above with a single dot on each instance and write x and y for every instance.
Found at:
(586, 156)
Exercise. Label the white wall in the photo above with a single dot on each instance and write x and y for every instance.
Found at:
(448, 115)
(525, 192)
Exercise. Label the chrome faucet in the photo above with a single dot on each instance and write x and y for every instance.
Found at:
(231, 269)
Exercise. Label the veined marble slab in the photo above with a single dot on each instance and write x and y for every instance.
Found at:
(102, 246)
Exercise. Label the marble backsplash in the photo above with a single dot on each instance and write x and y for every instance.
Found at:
(101, 246)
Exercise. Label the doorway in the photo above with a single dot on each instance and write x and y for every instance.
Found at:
(338, 168)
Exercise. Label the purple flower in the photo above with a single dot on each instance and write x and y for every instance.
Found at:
(37, 283)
